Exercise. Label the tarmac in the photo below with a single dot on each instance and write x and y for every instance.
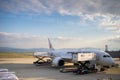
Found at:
(26, 70)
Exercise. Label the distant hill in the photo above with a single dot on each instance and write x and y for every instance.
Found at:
(8, 49)
(114, 54)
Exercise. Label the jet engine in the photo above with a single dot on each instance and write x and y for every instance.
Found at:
(58, 61)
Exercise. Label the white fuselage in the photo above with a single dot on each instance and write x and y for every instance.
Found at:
(102, 57)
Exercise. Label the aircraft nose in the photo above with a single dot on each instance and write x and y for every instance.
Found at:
(111, 62)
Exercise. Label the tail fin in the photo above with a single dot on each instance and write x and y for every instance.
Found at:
(50, 45)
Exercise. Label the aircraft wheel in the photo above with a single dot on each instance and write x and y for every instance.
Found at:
(95, 70)
(102, 69)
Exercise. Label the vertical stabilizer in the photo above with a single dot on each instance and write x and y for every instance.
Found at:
(50, 45)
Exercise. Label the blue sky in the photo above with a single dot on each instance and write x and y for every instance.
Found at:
(44, 24)
(69, 24)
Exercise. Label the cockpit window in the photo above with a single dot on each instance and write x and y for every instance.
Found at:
(106, 56)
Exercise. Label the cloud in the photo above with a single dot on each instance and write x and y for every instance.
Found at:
(65, 7)
(111, 23)
(115, 39)
(22, 40)
(35, 41)
(25, 6)
(104, 12)
(113, 42)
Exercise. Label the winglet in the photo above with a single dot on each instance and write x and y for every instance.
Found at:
(50, 45)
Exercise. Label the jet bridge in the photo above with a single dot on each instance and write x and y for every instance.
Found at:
(83, 62)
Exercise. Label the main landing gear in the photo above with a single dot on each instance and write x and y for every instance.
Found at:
(81, 68)
(85, 67)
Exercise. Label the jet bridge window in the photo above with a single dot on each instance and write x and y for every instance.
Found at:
(106, 56)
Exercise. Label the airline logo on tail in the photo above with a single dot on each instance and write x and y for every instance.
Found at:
(50, 45)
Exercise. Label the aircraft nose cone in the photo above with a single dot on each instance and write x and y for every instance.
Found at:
(109, 62)
(112, 62)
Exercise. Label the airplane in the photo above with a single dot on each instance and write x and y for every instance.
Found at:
(60, 57)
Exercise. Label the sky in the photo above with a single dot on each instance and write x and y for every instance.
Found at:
(68, 23)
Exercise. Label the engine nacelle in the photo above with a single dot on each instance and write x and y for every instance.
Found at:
(58, 61)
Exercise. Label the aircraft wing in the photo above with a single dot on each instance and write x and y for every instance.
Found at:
(41, 54)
